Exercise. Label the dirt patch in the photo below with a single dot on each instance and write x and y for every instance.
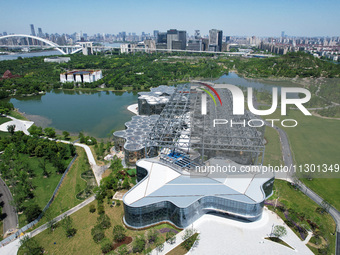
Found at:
(318, 246)
(126, 241)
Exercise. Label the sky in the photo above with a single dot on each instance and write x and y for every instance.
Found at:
(235, 18)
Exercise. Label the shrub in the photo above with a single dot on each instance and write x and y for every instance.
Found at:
(138, 244)
(104, 221)
(188, 243)
(98, 236)
(152, 236)
(106, 247)
(119, 233)
(97, 233)
(92, 208)
(71, 232)
(170, 237)
(123, 250)
(101, 209)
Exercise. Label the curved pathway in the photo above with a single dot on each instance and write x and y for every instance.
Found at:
(11, 221)
(11, 218)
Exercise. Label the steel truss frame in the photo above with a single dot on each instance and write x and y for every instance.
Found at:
(182, 127)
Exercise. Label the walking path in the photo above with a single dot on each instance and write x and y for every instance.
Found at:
(11, 221)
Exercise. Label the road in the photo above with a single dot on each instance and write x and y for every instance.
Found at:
(11, 219)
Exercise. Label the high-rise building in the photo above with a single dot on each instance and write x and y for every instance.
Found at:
(40, 33)
(124, 36)
(176, 39)
(182, 36)
(32, 30)
(5, 33)
(215, 40)
(197, 34)
(161, 37)
(155, 34)
(283, 34)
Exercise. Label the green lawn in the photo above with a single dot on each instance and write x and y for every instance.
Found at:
(315, 140)
(71, 186)
(44, 187)
(82, 242)
(298, 202)
(4, 120)
(17, 115)
(273, 154)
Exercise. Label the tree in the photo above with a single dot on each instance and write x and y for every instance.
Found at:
(32, 211)
(81, 137)
(97, 233)
(126, 184)
(104, 221)
(67, 224)
(30, 246)
(92, 208)
(51, 222)
(159, 246)
(11, 129)
(138, 244)
(279, 231)
(66, 135)
(119, 233)
(34, 130)
(50, 132)
(170, 237)
(43, 166)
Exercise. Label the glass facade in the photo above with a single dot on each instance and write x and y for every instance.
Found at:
(139, 217)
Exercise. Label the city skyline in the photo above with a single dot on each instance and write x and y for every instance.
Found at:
(242, 18)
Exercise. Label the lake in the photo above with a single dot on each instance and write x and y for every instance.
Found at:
(96, 113)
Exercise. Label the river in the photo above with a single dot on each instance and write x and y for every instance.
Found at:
(30, 55)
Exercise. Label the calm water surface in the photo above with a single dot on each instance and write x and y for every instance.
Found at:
(96, 113)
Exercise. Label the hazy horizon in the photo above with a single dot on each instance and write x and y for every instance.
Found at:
(236, 18)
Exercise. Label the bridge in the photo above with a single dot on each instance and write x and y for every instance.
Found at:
(62, 49)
